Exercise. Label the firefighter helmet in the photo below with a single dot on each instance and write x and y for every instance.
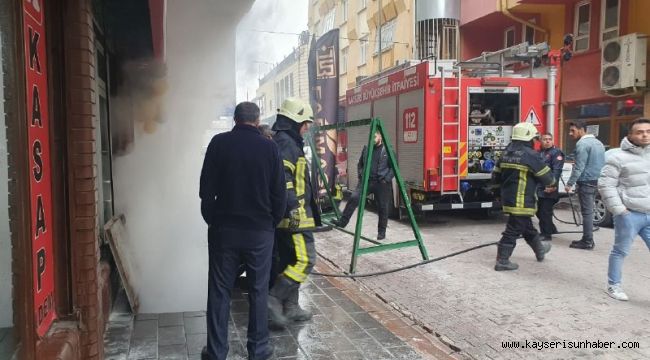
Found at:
(296, 110)
(524, 131)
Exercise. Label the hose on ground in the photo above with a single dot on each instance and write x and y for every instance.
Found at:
(390, 271)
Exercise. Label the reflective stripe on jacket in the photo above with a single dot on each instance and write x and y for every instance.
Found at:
(518, 171)
(296, 173)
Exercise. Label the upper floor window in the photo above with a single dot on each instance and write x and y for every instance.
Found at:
(344, 10)
(328, 22)
(582, 26)
(509, 37)
(609, 20)
(344, 61)
(363, 50)
(387, 32)
(363, 4)
(528, 33)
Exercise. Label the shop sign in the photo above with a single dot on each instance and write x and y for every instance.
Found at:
(410, 125)
(38, 124)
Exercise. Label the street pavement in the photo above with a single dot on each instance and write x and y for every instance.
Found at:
(347, 324)
(475, 310)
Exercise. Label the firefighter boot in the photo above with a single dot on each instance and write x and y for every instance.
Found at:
(503, 258)
(292, 309)
(278, 293)
(539, 247)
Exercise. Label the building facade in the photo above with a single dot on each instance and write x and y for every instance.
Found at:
(80, 79)
(491, 25)
(289, 78)
(410, 29)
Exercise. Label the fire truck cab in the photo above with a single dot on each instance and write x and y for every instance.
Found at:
(448, 129)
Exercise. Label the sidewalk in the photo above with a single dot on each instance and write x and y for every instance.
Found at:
(347, 324)
(472, 307)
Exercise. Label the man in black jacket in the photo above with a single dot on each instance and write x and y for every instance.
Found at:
(518, 171)
(243, 198)
(548, 197)
(380, 184)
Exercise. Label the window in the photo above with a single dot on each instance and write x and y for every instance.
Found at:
(528, 34)
(284, 89)
(344, 10)
(509, 37)
(363, 50)
(582, 24)
(344, 61)
(387, 32)
(608, 121)
(328, 22)
(609, 20)
(362, 4)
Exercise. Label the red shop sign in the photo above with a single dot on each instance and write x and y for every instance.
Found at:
(41, 176)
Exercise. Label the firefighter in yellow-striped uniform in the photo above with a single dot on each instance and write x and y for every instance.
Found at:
(518, 171)
(294, 238)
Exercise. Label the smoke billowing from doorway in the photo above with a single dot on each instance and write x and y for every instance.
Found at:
(156, 180)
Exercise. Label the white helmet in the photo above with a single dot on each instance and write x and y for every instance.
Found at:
(296, 110)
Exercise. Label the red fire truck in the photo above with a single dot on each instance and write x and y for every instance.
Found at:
(448, 129)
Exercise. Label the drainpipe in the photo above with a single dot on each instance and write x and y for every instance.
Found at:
(550, 102)
(503, 7)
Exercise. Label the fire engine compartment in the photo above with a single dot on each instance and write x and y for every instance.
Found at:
(409, 102)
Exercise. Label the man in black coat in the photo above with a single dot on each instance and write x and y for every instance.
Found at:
(380, 184)
(243, 198)
(547, 198)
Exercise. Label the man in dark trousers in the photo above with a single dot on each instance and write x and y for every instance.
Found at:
(589, 161)
(518, 171)
(294, 237)
(380, 184)
(548, 197)
(243, 198)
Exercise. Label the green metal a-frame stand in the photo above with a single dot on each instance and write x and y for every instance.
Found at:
(375, 125)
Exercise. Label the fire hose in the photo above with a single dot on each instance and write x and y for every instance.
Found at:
(411, 266)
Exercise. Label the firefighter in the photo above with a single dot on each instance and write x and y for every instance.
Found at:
(294, 238)
(518, 172)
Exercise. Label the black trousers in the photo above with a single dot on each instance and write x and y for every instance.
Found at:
(228, 248)
(545, 215)
(516, 226)
(382, 192)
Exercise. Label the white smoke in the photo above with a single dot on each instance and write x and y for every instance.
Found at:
(266, 35)
(156, 183)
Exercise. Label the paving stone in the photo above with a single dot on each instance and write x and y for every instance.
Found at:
(171, 335)
(172, 352)
(195, 343)
(143, 349)
(195, 325)
(170, 319)
(285, 346)
(145, 329)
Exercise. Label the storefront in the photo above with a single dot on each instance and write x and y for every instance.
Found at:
(607, 119)
(55, 173)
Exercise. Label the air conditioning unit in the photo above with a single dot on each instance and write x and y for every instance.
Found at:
(623, 63)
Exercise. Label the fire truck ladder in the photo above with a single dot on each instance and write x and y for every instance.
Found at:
(449, 142)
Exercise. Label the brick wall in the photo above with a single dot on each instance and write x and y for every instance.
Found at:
(82, 171)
